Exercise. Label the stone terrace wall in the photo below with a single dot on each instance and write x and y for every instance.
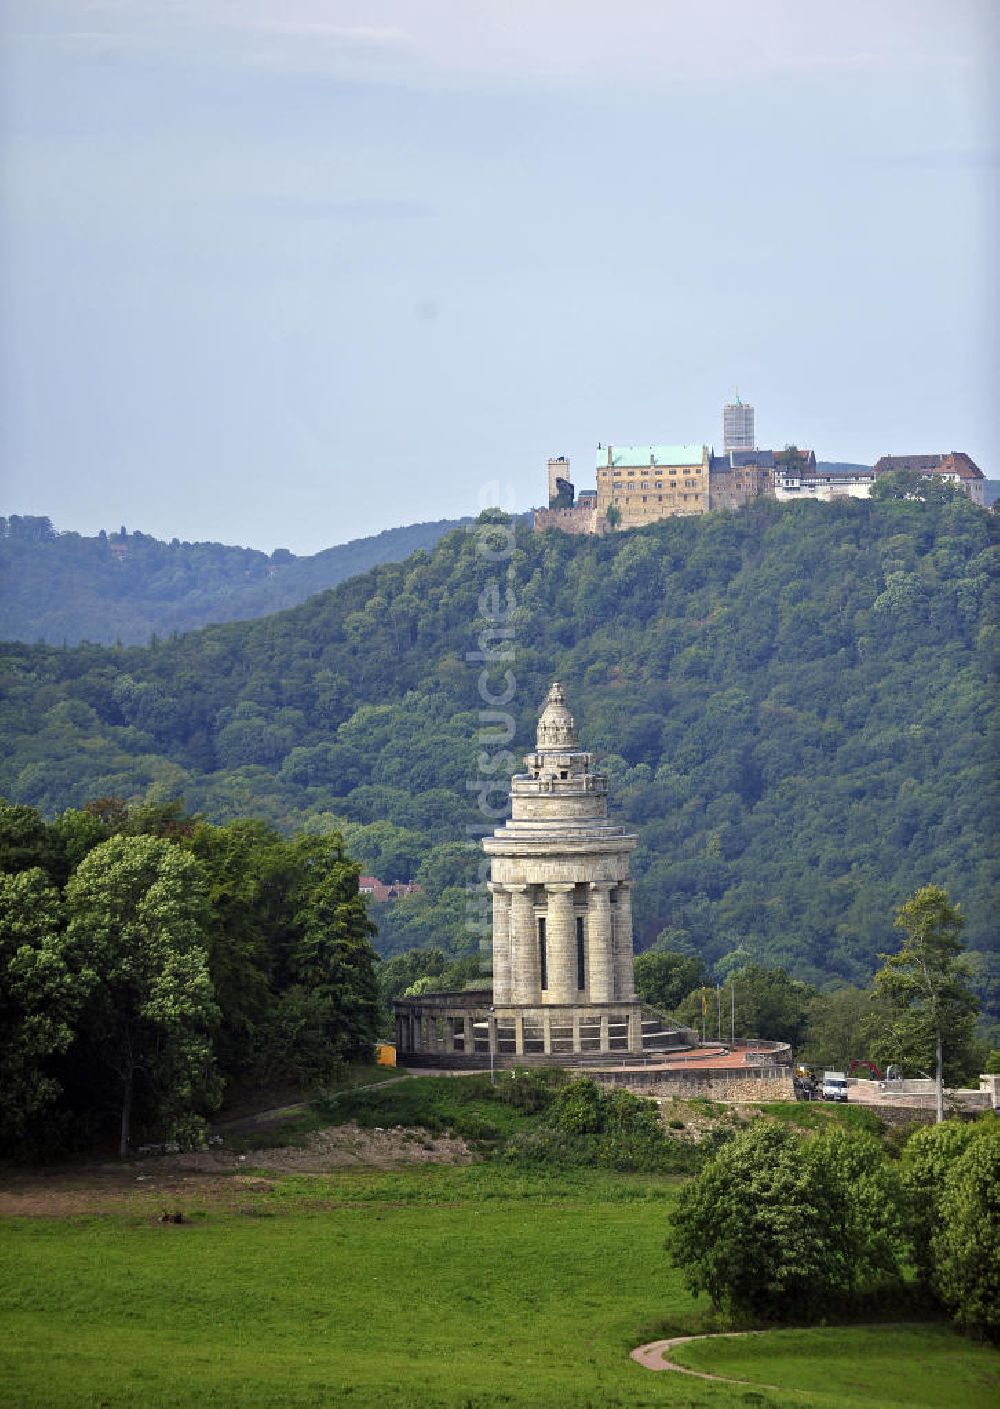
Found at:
(771, 1083)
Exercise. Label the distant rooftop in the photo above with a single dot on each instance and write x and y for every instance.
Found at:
(640, 455)
(955, 462)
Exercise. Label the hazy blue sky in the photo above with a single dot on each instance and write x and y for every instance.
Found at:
(286, 272)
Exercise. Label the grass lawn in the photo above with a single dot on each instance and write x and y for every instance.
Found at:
(922, 1365)
(463, 1286)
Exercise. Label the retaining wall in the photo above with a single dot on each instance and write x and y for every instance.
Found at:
(714, 1083)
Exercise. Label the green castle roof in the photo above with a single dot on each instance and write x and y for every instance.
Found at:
(645, 455)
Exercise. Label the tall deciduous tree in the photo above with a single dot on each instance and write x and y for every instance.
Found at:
(137, 912)
(925, 987)
(39, 1000)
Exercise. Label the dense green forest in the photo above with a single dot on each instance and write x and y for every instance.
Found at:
(151, 963)
(128, 586)
(796, 706)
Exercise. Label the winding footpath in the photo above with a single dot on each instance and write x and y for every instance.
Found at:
(653, 1356)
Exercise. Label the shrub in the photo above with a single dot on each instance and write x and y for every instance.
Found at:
(965, 1246)
(778, 1228)
(588, 1125)
(927, 1159)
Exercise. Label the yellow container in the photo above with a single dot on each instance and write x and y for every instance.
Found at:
(385, 1054)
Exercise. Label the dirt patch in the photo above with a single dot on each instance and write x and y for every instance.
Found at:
(215, 1176)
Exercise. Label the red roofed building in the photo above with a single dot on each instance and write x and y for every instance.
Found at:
(382, 893)
(956, 467)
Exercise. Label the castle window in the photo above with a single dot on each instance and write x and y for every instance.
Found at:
(543, 966)
(581, 972)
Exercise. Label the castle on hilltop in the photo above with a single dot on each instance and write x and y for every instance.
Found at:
(641, 484)
(563, 989)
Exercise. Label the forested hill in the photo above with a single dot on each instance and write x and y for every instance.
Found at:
(127, 587)
(796, 706)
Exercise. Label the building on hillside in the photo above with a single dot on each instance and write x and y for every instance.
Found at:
(563, 988)
(799, 481)
(956, 468)
(381, 893)
(797, 476)
(649, 482)
(737, 426)
(738, 477)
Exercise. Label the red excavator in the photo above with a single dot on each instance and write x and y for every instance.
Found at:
(870, 1066)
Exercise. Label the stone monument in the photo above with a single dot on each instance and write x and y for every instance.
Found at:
(563, 989)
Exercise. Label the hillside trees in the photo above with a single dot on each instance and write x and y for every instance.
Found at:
(65, 587)
(794, 705)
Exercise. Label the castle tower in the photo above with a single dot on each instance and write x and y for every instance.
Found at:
(561, 488)
(737, 426)
(562, 912)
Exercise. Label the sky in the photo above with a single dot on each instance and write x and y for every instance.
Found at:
(284, 273)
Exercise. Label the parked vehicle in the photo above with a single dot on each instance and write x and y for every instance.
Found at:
(805, 1088)
(834, 1086)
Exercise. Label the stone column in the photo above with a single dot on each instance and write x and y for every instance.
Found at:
(501, 944)
(525, 978)
(624, 979)
(600, 940)
(560, 933)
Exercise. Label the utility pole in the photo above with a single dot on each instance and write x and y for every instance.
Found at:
(732, 995)
(718, 1004)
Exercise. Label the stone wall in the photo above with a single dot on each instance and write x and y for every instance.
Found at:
(713, 1083)
(576, 520)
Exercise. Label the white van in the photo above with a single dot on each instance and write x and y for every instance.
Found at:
(834, 1086)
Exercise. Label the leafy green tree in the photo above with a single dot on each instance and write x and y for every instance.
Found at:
(330, 956)
(27, 841)
(966, 1246)
(863, 1204)
(928, 1003)
(911, 484)
(664, 978)
(837, 1026)
(79, 831)
(927, 1160)
(137, 913)
(762, 1227)
(40, 997)
(770, 1004)
(243, 931)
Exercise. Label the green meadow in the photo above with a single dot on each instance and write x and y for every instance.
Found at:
(467, 1287)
